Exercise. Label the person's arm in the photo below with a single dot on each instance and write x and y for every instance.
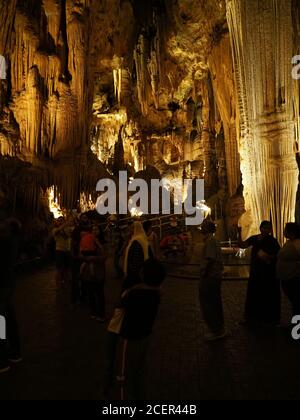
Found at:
(102, 250)
(243, 244)
(99, 246)
(269, 255)
(264, 256)
(59, 229)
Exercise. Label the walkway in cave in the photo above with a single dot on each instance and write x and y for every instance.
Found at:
(63, 348)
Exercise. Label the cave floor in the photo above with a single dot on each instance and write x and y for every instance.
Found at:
(63, 348)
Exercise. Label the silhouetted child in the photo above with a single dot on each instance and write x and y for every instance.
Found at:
(140, 304)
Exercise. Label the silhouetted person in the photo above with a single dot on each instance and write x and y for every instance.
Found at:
(211, 271)
(288, 266)
(62, 234)
(140, 304)
(10, 236)
(263, 302)
(152, 239)
(93, 273)
(119, 248)
(136, 254)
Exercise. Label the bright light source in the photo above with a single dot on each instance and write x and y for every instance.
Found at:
(241, 253)
(136, 212)
(204, 208)
(53, 203)
(86, 203)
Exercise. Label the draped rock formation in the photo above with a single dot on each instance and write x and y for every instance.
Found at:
(262, 40)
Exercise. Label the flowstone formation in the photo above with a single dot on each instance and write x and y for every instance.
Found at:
(268, 108)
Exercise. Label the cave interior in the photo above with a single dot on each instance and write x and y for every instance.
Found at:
(169, 88)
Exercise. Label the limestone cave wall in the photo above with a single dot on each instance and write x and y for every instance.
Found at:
(193, 88)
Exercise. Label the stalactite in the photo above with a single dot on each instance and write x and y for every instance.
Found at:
(268, 164)
(154, 61)
(47, 119)
(225, 97)
(118, 84)
(7, 14)
(147, 58)
(140, 59)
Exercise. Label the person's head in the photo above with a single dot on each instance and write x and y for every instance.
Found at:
(292, 231)
(153, 273)
(208, 227)
(173, 222)
(70, 220)
(96, 230)
(266, 228)
(60, 221)
(84, 219)
(147, 227)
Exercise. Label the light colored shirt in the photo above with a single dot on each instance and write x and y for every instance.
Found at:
(153, 243)
(288, 261)
(2, 68)
(212, 262)
(63, 239)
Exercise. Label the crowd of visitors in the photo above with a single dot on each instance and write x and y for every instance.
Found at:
(272, 269)
(82, 248)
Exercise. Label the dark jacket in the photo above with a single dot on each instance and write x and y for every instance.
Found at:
(141, 307)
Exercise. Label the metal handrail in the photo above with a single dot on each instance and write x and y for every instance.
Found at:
(159, 219)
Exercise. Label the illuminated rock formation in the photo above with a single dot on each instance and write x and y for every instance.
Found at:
(262, 40)
(190, 87)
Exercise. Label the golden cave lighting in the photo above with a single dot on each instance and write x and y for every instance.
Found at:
(86, 203)
(204, 208)
(135, 212)
(53, 203)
